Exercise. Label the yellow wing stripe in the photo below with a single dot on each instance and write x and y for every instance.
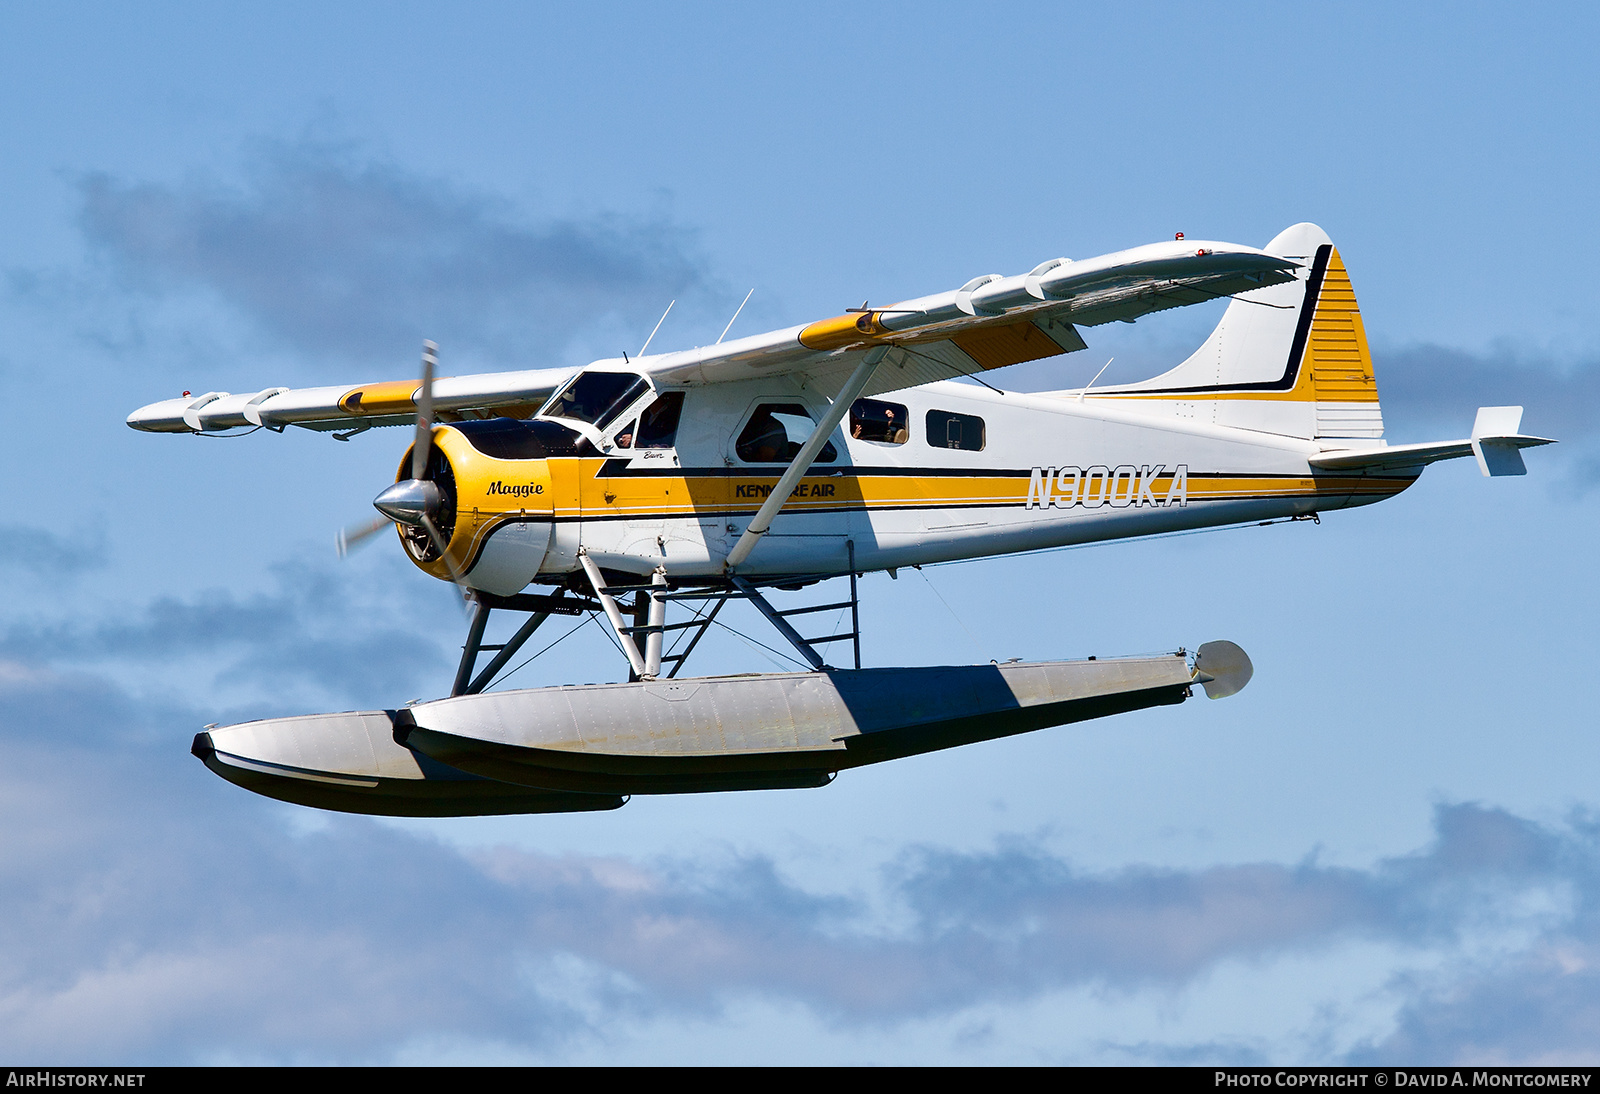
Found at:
(854, 328)
(391, 397)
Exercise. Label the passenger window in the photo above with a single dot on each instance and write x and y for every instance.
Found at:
(775, 433)
(872, 420)
(948, 430)
(658, 427)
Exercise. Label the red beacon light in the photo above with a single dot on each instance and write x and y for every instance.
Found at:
(1177, 235)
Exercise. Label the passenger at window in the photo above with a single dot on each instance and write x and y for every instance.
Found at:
(764, 439)
(874, 420)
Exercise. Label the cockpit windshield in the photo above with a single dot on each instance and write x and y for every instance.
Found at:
(596, 397)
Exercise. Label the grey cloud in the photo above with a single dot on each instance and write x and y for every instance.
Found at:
(1198, 1055)
(1432, 391)
(1434, 386)
(175, 916)
(1030, 922)
(1538, 1005)
(1543, 1007)
(48, 554)
(328, 253)
(149, 911)
(146, 921)
(314, 637)
(1015, 922)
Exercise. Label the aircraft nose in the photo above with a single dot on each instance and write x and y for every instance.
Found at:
(410, 502)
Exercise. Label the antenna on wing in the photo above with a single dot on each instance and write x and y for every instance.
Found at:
(736, 312)
(1097, 376)
(884, 311)
(660, 321)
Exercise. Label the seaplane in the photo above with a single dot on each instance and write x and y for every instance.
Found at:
(647, 491)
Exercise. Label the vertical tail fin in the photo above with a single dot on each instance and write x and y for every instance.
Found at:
(1291, 359)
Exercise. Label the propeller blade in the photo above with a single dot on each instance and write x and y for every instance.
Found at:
(411, 500)
(423, 446)
(352, 537)
(440, 545)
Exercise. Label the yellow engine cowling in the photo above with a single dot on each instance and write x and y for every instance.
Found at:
(499, 501)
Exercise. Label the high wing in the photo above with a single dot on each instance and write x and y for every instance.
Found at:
(988, 323)
(361, 406)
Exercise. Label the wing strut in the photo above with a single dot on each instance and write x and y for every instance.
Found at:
(803, 459)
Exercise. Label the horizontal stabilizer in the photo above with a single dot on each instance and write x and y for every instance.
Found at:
(1495, 443)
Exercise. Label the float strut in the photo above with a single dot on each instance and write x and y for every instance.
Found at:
(776, 618)
(509, 650)
(469, 652)
(613, 615)
(655, 619)
(855, 604)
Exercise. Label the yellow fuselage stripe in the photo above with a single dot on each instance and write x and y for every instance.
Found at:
(490, 492)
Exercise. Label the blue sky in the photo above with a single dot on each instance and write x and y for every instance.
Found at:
(1386, 849)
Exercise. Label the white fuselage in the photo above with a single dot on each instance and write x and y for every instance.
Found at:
(1039, 471)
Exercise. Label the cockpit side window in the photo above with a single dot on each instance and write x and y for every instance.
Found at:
(596, 397)
(658, 426)
(775, 433)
